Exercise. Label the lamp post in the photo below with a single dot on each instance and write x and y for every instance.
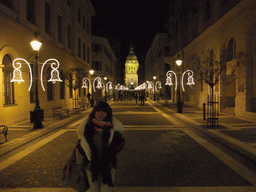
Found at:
(36, 116)
(154, 77)
(179, 102)
(105, 78)
(92, 99)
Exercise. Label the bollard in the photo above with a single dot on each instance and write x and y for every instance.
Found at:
(204, 110)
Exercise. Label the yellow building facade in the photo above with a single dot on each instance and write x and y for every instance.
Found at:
(131, 68)
(64, 30)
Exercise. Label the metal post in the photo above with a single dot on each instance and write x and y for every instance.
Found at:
(92, 100)
(179, 102)
(38, 114)
(105, 92)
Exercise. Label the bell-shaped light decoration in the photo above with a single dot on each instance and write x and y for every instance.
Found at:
(190, 80)
(84, 84)
(17, 76)
(150, 86)
(99, 85)
(168, 81)
(110, 86)
(158, 85)
(54, 76)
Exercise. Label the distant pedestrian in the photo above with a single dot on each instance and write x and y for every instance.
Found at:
(101, 139)
(89, 96)
(142, 98)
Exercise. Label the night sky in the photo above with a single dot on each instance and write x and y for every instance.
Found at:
(130, 22)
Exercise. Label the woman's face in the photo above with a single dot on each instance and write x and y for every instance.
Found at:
(100, 115)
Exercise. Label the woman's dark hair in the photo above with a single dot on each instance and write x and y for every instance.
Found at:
(102, 106)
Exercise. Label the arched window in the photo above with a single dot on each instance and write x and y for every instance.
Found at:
(231, 50)
(8, 86)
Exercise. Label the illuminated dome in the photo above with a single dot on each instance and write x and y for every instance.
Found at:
(131, 69)
(131, 55)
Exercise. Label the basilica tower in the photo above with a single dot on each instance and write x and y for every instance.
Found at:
(131, 68)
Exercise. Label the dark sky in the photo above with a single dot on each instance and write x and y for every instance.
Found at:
(132, 21)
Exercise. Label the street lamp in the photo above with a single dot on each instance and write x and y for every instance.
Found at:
(36, 116)
(154, 77)
(179, 102)
(92, 99)
(105, 78)
(150, 86)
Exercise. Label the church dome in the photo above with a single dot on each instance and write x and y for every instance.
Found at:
(131, 55)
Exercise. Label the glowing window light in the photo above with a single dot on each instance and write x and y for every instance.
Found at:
(17, 75)
(190, 78)
(169, 79)
(84, 84)
(54, 73)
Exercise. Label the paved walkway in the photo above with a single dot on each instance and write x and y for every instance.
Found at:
(238, 133)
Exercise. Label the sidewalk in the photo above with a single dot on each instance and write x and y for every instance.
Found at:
(23, 132)
(237, 133)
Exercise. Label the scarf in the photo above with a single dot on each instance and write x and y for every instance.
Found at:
(100, 165)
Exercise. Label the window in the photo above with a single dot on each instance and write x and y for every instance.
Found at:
(88, 28)
(79, 87)
(62, 86)
(84, 22)
(79, 47)
(31, 11)
(8, 86)
(70, 88)
(96, 47)
(224, 2)
(59, 28)
(69, 36)
(8, 3)
(96, 65)
(49, 86)
(208, 9)
(88, 55)
(84, 51)
(69, 3)
(79, 15)
(231, 50)
(47, 19)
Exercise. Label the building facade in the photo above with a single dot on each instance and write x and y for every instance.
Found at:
(155, 64)
(131, 68)
(218, 35)
(64, 28)
(104, 65)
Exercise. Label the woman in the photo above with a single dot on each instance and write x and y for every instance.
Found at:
(101, 140)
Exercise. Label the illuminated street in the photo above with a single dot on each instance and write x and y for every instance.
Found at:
(161, 154)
